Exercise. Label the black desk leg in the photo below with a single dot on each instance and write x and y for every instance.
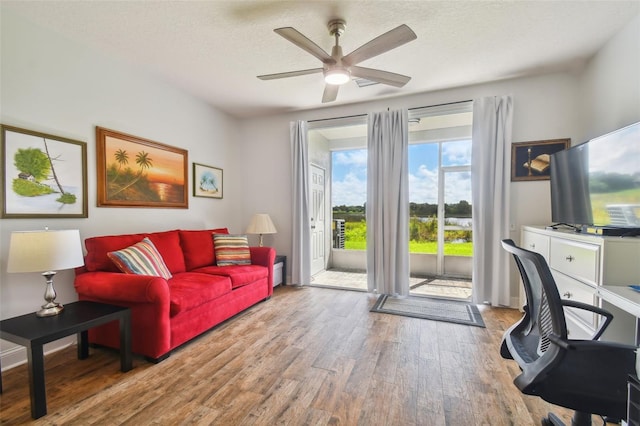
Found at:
(125, 342)
(83, 345)
(37, 391)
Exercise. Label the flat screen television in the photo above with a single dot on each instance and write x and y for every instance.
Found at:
(597, 183)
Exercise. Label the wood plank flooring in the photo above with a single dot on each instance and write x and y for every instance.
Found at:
(308, 356)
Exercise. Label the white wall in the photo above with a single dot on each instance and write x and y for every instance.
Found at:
(610, 87)
(52, 85)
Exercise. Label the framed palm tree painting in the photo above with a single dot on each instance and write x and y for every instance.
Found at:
(207, 181)
(43, 175)
(137, 172)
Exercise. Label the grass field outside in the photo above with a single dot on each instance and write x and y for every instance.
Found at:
(457, 243)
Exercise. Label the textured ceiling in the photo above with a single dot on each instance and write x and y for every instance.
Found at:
(215, 49)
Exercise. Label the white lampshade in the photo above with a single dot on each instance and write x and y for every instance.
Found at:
(39, 251)
(261, 224)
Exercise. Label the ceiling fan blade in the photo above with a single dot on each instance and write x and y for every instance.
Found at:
(300, 40)
(330, 93)
(387, 41)
(379, 76)
(289, 74)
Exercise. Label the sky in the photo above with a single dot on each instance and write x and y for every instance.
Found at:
(349, 174)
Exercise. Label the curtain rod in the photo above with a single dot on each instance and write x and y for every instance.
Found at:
(410, 109)
(337, 118)
(444, 104)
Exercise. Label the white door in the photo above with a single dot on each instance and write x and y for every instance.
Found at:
(317, 219)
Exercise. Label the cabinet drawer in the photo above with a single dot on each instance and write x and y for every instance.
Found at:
(576, 259)
(576, 329)
(575, 290)
(536, 242)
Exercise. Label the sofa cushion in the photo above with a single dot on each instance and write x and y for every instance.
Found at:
(168, 244)
(141, 258)
(98, 247)
(191, 289)
(239, 274)
(231, 250)
(197, 247)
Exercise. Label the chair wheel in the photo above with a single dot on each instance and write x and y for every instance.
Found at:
(546, 422)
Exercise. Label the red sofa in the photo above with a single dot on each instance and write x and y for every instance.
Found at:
(167, 313)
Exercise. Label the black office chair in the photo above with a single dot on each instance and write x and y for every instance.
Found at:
(588, 376)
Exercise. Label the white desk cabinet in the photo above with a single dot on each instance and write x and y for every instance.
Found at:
(580, 265)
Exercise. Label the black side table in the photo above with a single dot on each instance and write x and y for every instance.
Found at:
(78, 317)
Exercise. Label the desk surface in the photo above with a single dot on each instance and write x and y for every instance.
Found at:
(621, 296)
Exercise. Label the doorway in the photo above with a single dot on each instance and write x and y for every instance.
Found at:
(440, 256)
(318, 223)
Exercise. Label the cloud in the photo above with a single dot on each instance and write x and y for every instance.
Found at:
(351, 191)
(356, 158)
(456, 153)
(423, 186)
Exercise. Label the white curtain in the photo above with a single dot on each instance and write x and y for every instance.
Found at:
(387, 207)
(301, 232)
(490, 165)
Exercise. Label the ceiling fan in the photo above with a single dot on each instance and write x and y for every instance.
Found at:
(338, 68)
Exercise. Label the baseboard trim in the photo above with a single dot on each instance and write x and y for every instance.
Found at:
(17, 355)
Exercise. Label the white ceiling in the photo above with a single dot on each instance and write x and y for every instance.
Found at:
(215, 49)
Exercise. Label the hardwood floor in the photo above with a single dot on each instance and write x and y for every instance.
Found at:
(309, 356)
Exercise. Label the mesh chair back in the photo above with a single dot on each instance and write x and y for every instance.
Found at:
(546, 315)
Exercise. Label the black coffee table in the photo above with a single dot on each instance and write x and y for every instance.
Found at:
(78, 317)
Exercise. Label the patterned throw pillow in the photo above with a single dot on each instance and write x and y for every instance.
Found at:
(231, 249)
(141, 259)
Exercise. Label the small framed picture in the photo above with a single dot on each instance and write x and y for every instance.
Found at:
(137, 172)
(207, 181)
(43, 175)
(530, 160)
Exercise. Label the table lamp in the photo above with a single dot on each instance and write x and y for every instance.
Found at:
(261, 224)
(48, 251)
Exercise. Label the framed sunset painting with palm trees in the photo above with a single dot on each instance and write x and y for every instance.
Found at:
(136, 172)
(43, 175)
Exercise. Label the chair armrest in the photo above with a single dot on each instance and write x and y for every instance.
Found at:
(124, 288)
(263, 256)
(595, 309)
(564, 344)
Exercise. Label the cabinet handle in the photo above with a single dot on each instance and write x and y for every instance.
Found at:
(570, 258)
(567, 295)
(532, 246)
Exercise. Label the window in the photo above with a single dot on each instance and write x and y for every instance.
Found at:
(440, 224)
(348, 198)
(440, 197)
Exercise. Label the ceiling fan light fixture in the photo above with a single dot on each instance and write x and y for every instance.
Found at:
(337, 76)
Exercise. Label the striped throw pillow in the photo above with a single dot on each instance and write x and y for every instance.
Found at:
(231, 249)
(141, 259)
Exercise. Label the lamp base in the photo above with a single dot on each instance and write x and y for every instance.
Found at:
(50, 309)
